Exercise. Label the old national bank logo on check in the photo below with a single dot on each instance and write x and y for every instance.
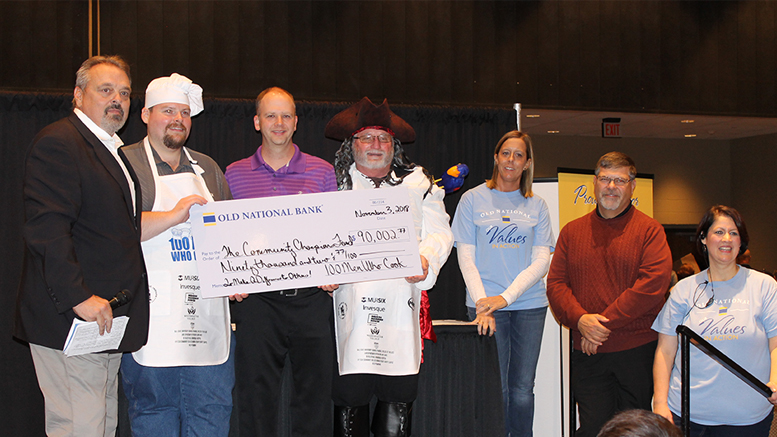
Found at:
(277, 243)
(209, 219)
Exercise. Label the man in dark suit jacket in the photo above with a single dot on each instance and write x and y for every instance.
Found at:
(82, 237)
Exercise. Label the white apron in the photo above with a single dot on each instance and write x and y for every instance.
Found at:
(184, 329)
(377, 328)
(377, 322)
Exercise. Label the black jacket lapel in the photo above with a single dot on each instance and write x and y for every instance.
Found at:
(108, 160)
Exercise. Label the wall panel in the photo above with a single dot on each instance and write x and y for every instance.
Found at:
(669, 56)
(688, 63)
(766, 68)
(728, 60)
(650, 54)
(752, 180)
(591, 48)
(212, 55)
(323, 62)
(243, 61)
(710, 55)
(484, 57)
(505, 52)
(347, 51)
(610, 55)
(444, 53)
(631, 36)
(570, 29)
(548, 55)
(746, 57)
(374, 41)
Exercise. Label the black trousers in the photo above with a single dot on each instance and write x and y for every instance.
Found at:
(358, 389)
(607, 383)
(270, 326)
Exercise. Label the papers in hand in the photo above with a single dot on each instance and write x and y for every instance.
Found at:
(84, 337)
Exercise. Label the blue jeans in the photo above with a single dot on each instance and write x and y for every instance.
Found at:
(518, 340)
(179, 401)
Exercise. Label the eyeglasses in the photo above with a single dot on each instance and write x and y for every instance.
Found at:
(697, 294)
(619, 182)
(369, 139)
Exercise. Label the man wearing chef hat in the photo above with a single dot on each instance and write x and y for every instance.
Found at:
(182, 379)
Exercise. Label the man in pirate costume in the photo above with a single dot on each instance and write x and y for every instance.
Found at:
(370, 157)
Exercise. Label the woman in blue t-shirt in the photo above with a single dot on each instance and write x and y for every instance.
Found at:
(735, 309)
(503, 239)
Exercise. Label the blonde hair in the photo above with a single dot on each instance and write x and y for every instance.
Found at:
(274, 89)
(528, 175)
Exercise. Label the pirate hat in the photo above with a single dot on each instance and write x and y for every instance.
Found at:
(366, 115)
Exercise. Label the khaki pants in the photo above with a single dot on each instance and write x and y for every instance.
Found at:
(80, 392)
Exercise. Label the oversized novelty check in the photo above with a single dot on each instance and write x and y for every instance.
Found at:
(286, 242)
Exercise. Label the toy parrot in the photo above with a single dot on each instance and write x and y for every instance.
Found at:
(453, 179)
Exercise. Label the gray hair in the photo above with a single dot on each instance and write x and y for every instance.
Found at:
(83, 77)
(344, 158)
(616, 160)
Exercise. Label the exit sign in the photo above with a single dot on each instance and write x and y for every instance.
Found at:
(611, 128)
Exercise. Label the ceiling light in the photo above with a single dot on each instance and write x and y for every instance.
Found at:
(687, 121)
(690, 135)
(553, 131)
(532, 115)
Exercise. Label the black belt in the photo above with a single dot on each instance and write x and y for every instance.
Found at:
(297, 291)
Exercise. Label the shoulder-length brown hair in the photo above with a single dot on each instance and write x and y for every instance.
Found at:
(709, 218)
(528, 175)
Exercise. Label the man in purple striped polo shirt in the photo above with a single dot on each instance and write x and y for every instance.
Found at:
(295, 323)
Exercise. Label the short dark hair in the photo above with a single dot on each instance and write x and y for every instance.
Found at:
(83, 77)
(274, 89)
(639, 423)
(709, 218)
(616, 160)
(528, 175)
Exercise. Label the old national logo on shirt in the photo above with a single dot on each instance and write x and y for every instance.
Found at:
(505, 237)
(722, 324)
(504, 233)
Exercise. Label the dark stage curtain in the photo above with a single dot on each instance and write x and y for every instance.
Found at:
(445, 136)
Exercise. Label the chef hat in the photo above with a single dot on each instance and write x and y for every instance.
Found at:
(175, 89)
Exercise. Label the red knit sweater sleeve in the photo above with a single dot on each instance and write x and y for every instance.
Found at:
(564, 304)
(652, 282)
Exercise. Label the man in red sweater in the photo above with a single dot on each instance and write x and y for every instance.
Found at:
(607, 281)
